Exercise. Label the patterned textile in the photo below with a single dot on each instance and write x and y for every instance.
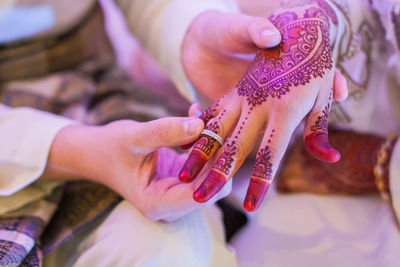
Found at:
(95, 91)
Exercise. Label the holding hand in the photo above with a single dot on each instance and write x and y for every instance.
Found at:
(126, 157)
(282, 86)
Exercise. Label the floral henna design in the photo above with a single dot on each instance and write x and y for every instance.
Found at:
(205, 116)
(263, 167)
(328, 10)
(260, 181)
(304, 53)
(224, 163)
(317, 141)
(218, 175)
(201, 152)
(322, 123)
(207, 143)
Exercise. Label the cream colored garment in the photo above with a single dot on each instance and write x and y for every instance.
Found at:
(126, 238)
(25, 140)
(161, 25)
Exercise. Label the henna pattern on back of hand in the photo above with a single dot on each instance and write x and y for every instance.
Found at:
(304, 53)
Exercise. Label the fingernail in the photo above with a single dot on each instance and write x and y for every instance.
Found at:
(192, 126)
(318, 145)
(211, 186)
(192, 167)
(249, 204)
(271, 37)
(197, 113)
(200, 195)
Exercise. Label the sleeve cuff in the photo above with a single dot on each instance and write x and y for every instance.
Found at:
(394, 179)
(26, 138)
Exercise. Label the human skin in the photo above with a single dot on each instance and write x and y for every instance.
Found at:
(282, 86)
(218, 48)
(354, 175)
(127, 157)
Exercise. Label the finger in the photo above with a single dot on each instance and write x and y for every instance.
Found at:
(237, 33)
(205, 116)
(316, 132)
(195, 110)
(233, 154)
(263, 33)
(272, 149)
(206, 146)
(340, 87)
(170, 132)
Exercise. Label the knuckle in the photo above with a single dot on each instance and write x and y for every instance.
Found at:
(286, 108)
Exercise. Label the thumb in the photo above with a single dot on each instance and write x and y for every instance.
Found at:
(263, 33)
(235, 33)
(169, 132)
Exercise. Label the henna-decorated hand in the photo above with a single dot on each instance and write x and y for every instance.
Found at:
(212, 44)
(352, 175)
(282, 86)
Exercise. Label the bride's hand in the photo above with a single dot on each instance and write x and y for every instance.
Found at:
(282, 86)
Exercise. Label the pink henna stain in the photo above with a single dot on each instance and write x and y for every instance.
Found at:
(205, 116)
(317, 144)
(211, 186)
(193, 166)
(255, 194)
(199, 155)
(260, 180)
(304, 54)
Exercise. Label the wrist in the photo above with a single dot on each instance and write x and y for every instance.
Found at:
(70, 154)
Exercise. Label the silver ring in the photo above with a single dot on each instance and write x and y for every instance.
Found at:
(213, 135)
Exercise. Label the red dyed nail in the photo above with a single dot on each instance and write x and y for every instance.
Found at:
(249, 204)
(192, 167)
(211, 186)
(317, 144)
(255, 194)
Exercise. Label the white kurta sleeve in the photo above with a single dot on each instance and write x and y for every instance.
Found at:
(160, 25)
(26, 136)
(394, 176)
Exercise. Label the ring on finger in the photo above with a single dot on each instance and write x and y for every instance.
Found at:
(218, 138)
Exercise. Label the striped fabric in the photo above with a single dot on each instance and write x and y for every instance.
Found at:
(93, 91)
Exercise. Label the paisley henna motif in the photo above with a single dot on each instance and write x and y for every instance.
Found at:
(304, 53)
